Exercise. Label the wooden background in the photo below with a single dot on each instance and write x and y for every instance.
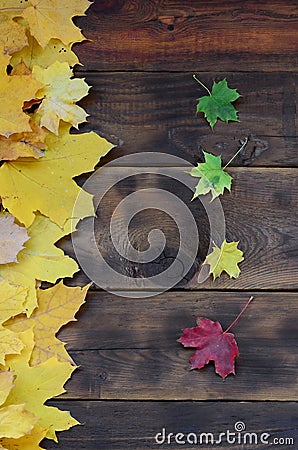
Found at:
(134, 377)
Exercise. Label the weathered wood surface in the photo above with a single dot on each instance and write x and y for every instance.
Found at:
(260, 212)
(191, 35)
(140, 65)
(134, 425)
(127, 348)
(141, 112)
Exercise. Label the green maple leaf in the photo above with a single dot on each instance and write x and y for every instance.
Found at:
(212, 177)
(218, 104)
(225, 259)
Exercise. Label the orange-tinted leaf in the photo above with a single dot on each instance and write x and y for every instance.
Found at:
(29, 144)
(34, 102)
(22, 69)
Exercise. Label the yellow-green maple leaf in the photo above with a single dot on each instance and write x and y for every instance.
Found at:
(212, 177)
(56, 307)
(49, 18)
(34, 55)
(12, 301)
(14, 91)
(40, 259)
(46, 184)
(225, 259)
(33, 386)
(15, 421)
(60, 93)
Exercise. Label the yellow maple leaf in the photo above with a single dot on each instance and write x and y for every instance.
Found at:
(12, 35)
(6, 384)
(33, 386)
(59, 93)
(12, 238)
(49, 18)
(56, 307)
(14, 91)
(40, 259)
(225, 259)
(12, 301)
(34, 55)
(15, 421)
(30, 441)
(46, 184)
(29, 144)
(10, 344)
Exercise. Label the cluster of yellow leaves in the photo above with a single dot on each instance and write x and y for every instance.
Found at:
(34, 363)
(39, 157)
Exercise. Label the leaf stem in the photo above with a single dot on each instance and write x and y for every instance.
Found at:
(203, 85)
(239, 315)
(237, 153)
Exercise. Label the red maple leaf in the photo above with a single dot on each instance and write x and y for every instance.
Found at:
(212, 344)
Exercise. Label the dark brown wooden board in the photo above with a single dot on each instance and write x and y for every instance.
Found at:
(134, 425)
(142, 112)
(191, 35)
(260, 212)
(127, 348)
(143, 99)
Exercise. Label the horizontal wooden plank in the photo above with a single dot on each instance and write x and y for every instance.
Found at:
(134, 425)
(196, 35)
(111, 322)
(127, 348)
(260, 212)
(156, 112)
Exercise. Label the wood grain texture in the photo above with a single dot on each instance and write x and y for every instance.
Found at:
(170, 35)
(260, 212)
(127, 348)
(135, 424)
(143, 99)
(156, 112)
